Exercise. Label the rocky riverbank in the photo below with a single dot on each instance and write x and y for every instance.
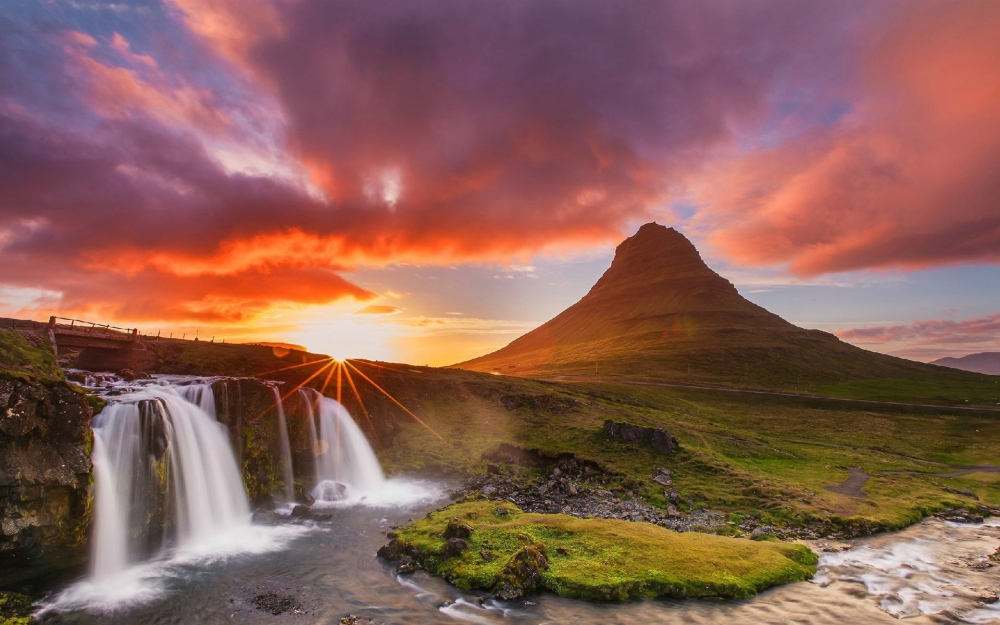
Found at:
(582, 489)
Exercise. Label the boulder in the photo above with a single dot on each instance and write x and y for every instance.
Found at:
(457, 528)
(523, 573)
(657, 438)
(454, 547)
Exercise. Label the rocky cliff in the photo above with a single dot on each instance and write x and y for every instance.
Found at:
(45, 477)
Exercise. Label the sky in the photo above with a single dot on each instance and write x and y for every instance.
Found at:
(423, 181)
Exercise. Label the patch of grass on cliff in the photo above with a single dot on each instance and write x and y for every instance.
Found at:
(606, 560)
(27, 360)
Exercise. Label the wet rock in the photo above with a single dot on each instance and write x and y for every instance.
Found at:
(406, 565)
(457, 528)
(301, 511)
(523, 573)
(958, 515)
(275, 603)
(128, 375)
(454, 548)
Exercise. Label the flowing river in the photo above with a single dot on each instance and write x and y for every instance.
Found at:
(219, 564)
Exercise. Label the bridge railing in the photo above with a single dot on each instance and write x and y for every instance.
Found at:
(53, 321)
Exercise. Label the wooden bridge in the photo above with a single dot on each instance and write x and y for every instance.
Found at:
(101, 347)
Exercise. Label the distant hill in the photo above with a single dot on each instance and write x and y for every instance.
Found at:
(659, 312)
(983, 362)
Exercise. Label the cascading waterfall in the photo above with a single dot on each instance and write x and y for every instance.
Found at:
(346, 466)
(286, 449)
(159, 440)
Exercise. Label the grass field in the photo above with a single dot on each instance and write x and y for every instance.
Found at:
(744, 454)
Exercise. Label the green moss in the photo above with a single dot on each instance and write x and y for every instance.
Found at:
(27, 360)
(603, 560)
(15, 609)
(96, 402)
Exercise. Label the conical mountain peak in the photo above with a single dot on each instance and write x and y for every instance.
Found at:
(657, 259)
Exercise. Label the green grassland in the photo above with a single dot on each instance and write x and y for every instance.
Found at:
(746, 454)
(600, 559)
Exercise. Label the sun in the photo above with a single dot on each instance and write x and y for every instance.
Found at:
(344, 336)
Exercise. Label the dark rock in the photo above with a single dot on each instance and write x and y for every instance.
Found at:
(658, 438)
(301, 511)
(45, 478)
(350, 619)
(406, 565)
(958, 515)
(523, 573)
(454, 548)
(964, 493)
(128, 375)
(662, 441)
(275, 604)
(457, 528)
(487, 556)
(493, 469)
(761, 531)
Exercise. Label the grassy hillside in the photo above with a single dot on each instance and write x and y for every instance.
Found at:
(745, 454)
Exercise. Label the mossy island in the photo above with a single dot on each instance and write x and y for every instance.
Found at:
(495, 547)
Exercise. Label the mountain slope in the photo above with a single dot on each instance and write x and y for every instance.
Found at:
(983, 362)
(660, 313)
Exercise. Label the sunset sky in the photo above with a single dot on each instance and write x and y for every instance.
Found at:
(423, 181)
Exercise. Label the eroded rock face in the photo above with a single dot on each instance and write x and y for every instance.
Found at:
(45, 478)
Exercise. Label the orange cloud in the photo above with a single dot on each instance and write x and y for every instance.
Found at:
(909, 178)
(376, 309)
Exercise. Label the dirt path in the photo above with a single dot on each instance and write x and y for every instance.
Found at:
(852, 486)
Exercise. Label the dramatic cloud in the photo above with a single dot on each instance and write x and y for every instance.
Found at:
(210, 159)
(908, 177)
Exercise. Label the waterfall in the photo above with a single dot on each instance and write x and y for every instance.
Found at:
(346, 466)
(165, 474)
(286, 449)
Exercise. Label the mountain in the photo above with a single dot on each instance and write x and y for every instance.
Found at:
(983, 362)
(659, 312)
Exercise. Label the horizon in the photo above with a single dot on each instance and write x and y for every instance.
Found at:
(383, 186)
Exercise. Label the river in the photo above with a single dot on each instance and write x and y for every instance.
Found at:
(330, 569)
